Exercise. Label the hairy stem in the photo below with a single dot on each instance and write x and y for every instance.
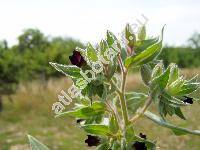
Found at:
(142, 110)
(122, 93)
(124, 109)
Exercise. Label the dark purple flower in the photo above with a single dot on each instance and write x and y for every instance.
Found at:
(79, 120)
(143, 136)
(188, 100)
(77, 59)
(139, 146)
(92, 140)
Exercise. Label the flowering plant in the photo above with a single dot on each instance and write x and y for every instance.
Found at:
(103, 107)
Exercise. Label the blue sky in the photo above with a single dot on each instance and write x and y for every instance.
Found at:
(88, 20)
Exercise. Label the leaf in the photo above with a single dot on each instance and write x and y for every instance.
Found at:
(35, 144)
(116, 146)
(103, 48)
(130, 37)
(179, 113)
(130, 133)
(144, 44)
(157, 70)
(162, 109)
(123, 144)
(91, 53)
(151, 145)
(97, 129)
(181, 87)
(111, 69)
(142, 33)
(175, 87)
(103, 146)
(98, 118)
(162, 80)
(111, 38)
(188, 88)
(174, 73)
(86, 112)
(163, 123)
(113, 125)
(68, 70)
(170, 105)
(135, 100)
(145, 71)
(100, 89)
(172, 100)
(155, 92)
(145, 56)
(123, 54)
(95, 87)
(113, 42)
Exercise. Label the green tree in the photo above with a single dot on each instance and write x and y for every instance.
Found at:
(32, 39)
(9, 71)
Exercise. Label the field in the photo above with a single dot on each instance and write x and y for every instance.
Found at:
(30, 113)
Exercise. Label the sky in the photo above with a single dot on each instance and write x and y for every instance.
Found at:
(88, 20)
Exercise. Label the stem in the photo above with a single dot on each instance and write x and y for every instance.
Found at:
(124, 109)
(122, 93)
(113, 111)
(142, 110)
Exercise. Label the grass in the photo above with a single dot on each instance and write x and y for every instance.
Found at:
(30, 113)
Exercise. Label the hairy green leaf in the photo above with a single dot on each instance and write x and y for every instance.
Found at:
(162, 80)
(91, 53)
(135, 100)
(157, 70)
(113, 124)
(35, 144)
(103, 48)
(85, 112)
(130, 133)
(130, 37)
(182, 87)
(113, 41)
(146, 72)
(144, 44)
(174, 73)
(179, 113)
(163, 123)
(144, 57)
(147, 55)
(97, 129)
(68, 70)
(103, 146)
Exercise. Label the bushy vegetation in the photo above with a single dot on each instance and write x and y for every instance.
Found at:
(185, 57)
(29, 59)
